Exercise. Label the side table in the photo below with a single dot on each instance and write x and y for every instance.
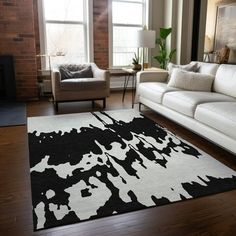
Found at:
(44, 83)
(126, 72)
(129, 73)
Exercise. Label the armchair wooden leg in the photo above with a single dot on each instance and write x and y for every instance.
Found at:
(93, 103)
(104, 103)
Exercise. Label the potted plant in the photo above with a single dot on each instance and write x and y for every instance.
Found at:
(164, 57)
(135, 62)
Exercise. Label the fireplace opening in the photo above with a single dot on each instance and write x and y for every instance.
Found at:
(7, 78)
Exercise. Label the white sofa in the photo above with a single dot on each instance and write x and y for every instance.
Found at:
(209, 114)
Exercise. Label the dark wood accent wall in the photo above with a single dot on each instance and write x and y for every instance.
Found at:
(195, 34)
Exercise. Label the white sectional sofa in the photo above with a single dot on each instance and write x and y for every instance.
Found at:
(210, 114)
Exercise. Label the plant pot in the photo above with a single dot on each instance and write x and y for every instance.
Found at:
(137, 67)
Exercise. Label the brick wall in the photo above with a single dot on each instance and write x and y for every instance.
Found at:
(36, 32)
(17, 38)
(100, 19)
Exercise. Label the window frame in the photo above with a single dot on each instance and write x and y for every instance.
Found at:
(145, 21)
(88, 32)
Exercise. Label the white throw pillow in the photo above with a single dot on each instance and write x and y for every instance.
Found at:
(190, 80)
(193, 66)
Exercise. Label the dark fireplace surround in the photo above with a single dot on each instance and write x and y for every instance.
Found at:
(7, 78)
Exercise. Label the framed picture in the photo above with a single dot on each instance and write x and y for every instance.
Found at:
(225, 33)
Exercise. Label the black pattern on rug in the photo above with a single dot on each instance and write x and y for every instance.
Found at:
(112, 166)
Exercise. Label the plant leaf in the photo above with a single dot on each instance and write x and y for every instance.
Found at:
(164, 32)
(158, 41)
(172, 54)
(158, 58)
(163, 56)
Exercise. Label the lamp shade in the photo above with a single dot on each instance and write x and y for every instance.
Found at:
(146, 38)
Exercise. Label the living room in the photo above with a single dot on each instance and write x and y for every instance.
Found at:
(108, 162)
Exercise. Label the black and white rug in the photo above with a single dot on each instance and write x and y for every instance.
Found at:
(90, 165)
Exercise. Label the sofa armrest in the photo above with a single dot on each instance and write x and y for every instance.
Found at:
(56, 80)
(158, 75)
(152, 76)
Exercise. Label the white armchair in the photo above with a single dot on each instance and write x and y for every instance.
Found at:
(70, 83)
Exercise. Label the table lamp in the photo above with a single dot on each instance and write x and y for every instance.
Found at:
(145, 39)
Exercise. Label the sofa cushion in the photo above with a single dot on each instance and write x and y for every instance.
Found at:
(225, 81)
(186, 102)
(82, 83)
(218, 115)
(207, 68)
(154, 91)
(190, 81)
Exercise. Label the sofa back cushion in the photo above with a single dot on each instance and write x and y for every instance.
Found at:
(225, 80)
(190, 80)
(193, 66)
(207, 68)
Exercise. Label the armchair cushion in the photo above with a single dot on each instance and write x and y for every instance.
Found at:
(75, 71)
(82, 84)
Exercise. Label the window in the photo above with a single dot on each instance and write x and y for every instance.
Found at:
(127, 17)
(65, 30)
